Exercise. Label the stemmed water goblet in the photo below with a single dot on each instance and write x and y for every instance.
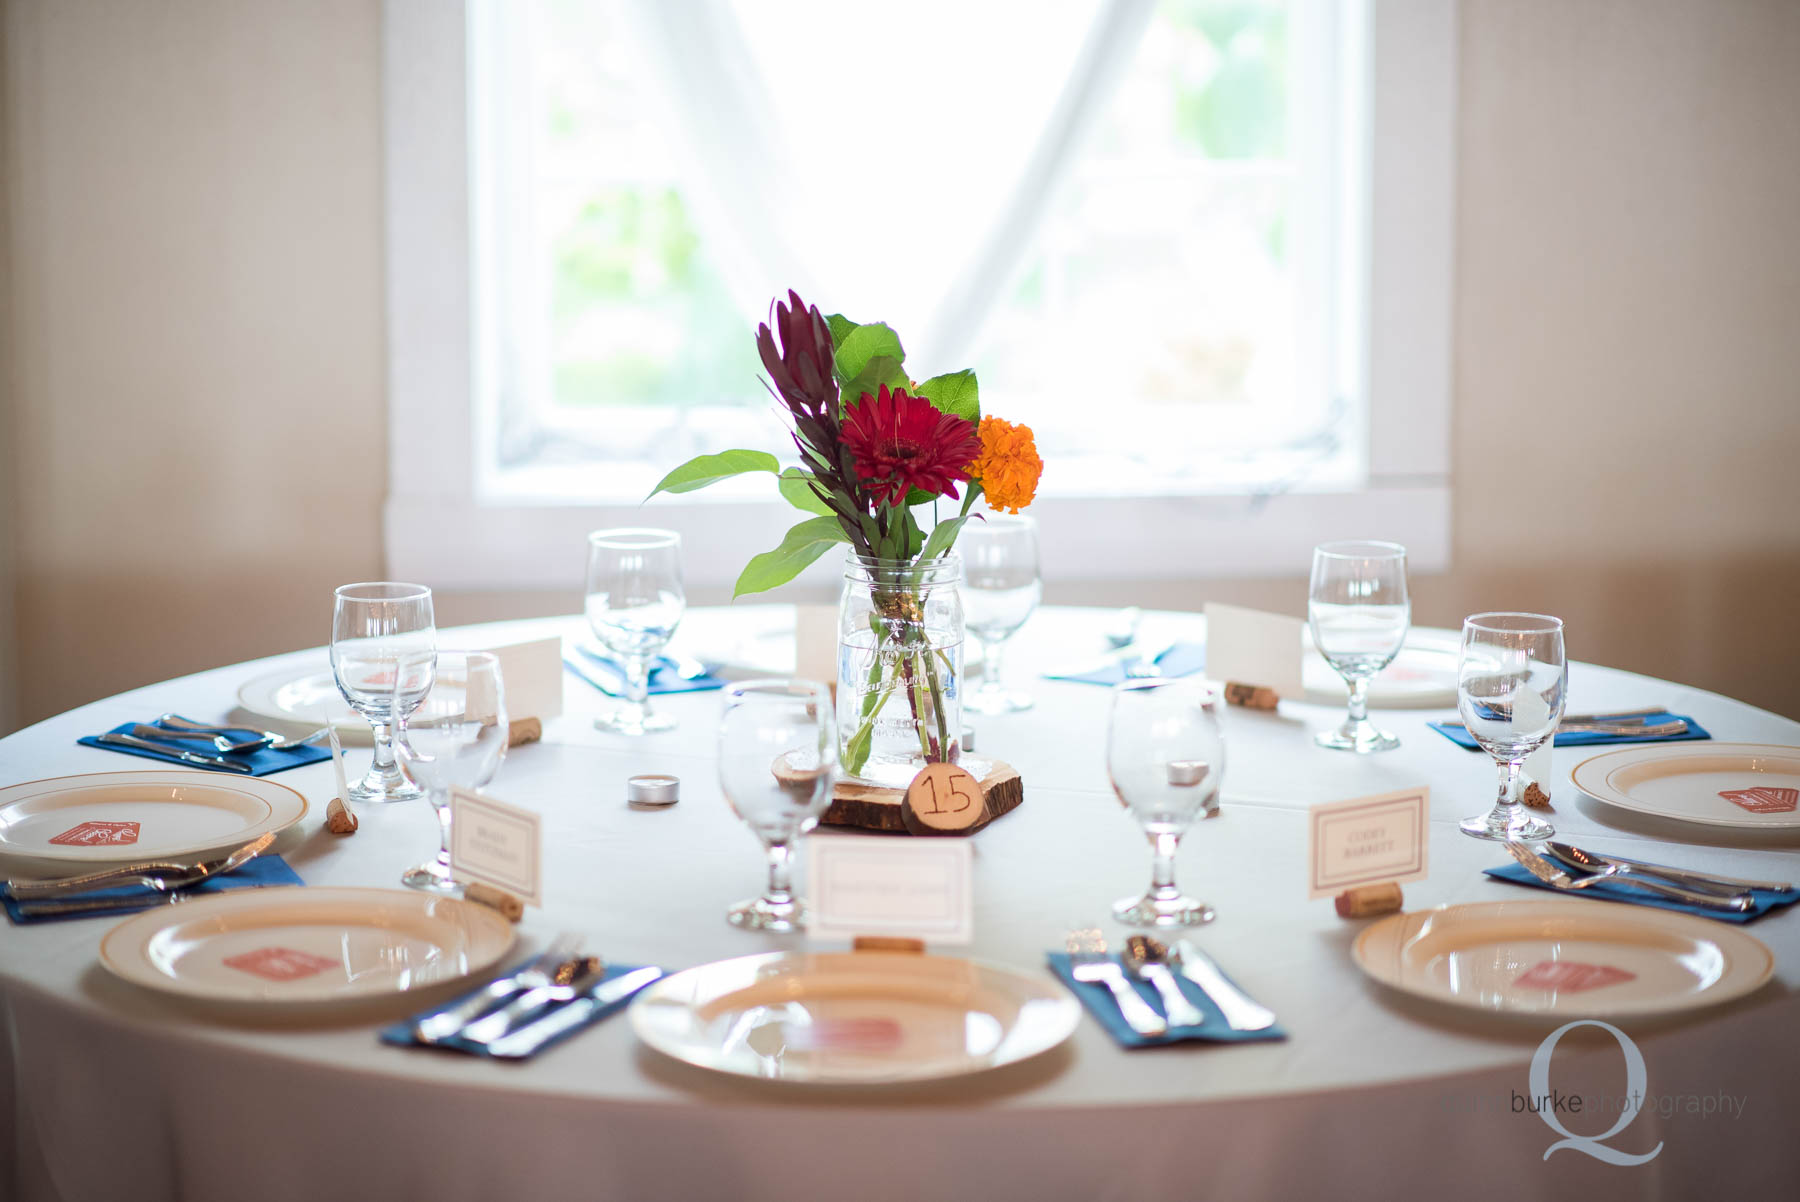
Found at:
(1001, 588)
(1165, 753)
(1511, 686)
(635, 600)
(1358, 610)
(383, 647)
(777, 762)
(455, 738)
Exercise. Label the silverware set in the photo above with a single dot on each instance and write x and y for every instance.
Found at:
(43, 899)
(515, 1015)
(1569, 868)
(166, 732)
(1151, 961)
(1619, 722)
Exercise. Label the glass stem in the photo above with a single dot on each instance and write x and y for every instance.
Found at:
(1508, 801)
(1359, 701)
(1162, 865)
(780, 876)
(384, 769)
(440, 801)
(993, 678)
(637, 683)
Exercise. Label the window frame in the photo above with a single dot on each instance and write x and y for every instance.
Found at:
(438, 528)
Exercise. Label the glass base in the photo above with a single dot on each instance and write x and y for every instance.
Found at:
(997, 701)
(761, 914)
(432, 877)
(1359, 737)
(1499, 824)
(404, 791)
(621, 722)
(1152, 911)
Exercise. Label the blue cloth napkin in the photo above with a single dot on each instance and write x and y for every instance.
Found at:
(1766, 899)
(1181, 659)
(600, 669)
(1462, 738)
(262, 763)
(400, 1034)
(263, 870)
(1098, 1000)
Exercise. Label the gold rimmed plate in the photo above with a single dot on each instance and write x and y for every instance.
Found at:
(856, 1018)
(1743, 786)
(1563, 959)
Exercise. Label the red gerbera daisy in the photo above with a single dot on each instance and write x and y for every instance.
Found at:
(903, 442)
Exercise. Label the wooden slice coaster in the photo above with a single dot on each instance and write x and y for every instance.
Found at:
(874, 808)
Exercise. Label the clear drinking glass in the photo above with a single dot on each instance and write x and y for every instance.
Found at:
(455, 738)
(383, 646)
(1165, 753)
(1511, 686)
(635, 601)
(1358, 610)
(777, 762)
(1001, 589)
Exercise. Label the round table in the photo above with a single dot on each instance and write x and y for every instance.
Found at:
(114, 1092)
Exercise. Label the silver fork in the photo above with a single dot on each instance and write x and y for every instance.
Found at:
(175, 726)
(163, 877)
(1089, 963)
(1550, 874)
(451, 1019)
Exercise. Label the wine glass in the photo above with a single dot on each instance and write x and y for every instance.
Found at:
(1165, 753)
(777, 761)
(634, 603)
(383, 646)
(1511, 685)
(1358, 610)
(455, 738)
(1000, 591)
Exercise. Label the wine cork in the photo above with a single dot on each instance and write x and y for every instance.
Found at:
(338, 818)
(886, 943)
(524, 730)
(1366, 901)
(495, 899)
(1535, 797)
(1250, 696)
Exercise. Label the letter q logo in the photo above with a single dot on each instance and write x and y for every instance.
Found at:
(1635, 1079)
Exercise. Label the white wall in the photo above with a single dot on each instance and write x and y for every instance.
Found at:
(196, 331)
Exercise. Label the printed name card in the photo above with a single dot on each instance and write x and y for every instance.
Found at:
(533, 677)
(496, 844)
(1368, 840)
(917, 888)
(1248, 646)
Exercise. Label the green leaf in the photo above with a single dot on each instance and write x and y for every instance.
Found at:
(942, 536)
(803, 544)
(878, 371)
(840, 329)
(702, 470)
(955, 393)
(856, 751)
(863, 344)
(796, 489)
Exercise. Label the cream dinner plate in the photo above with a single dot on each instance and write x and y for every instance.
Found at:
(1563, 959)
(1422, 676)
(306, 948)
(852, 1018)
(1746, 786)
(302, 700)
(118, 817)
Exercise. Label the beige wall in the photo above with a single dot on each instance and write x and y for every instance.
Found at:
(196, 334)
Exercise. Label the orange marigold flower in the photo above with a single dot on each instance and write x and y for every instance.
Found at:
(1008, 467)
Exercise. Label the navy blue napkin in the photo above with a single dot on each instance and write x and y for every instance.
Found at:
(1462, 738)
(1766, 899)
(1098, 1000)
(263, 870)
(400, 1034)
(1180, 659)
(600, 669)
(262, 763)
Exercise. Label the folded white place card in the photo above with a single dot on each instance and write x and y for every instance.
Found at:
(913, 888)
(497, 844)
(533, 676)
(816, 643)
(1368, 840)
(1248, 646)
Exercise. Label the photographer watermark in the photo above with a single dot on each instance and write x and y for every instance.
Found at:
(1557, 1108)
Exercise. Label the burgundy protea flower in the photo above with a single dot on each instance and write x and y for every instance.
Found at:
(802, 370)
(902, 442)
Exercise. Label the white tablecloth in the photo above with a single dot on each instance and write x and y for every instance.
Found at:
(111, 1092)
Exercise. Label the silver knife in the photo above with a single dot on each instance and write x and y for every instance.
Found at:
(98, 905)
(186, 757)
(1241, 1013)
(534, 1035)
(1685, 875)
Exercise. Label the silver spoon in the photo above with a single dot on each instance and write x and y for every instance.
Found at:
(1122, 630)
(1147, 959)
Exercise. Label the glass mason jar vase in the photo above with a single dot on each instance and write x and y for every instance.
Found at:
(900, 656)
